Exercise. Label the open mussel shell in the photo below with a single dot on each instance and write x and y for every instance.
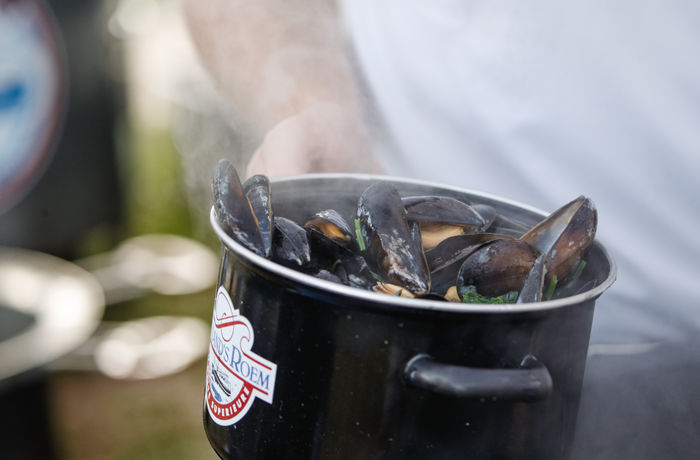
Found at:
(391, 246)
(455, 249)
(497, 267)
(330, 239)
(445, 259)
(233, 209)
(333, 248)
(257, 189)
(330, 225)
(442, 217)
(290, 244)
(565, 235)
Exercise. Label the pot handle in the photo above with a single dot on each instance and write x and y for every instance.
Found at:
(531, 382)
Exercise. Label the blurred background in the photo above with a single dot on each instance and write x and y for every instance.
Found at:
(109, 132)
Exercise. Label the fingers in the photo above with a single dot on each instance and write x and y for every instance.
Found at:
(284, 152)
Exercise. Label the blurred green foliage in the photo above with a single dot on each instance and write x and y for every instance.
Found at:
(155, 200)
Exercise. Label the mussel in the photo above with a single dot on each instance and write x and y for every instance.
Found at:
(544, 254)
(445, 259)
(497, 267)
(334, 248)
(257, 190)
(442, 217)
(355, 271)
(392, 289)
(290, 244)
(565, 235)
(233, 209)
(455, 249)
(330, 232)
(391, 247)
(445, 209)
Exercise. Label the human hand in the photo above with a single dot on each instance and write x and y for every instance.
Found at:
(324, 137)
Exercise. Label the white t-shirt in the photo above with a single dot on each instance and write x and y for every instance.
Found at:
(543, 101)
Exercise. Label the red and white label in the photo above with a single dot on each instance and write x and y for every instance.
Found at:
(235, 375)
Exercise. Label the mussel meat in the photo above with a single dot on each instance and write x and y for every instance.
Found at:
(329, 230)
(442, 217)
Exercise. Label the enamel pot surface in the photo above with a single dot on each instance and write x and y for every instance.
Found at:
(304, 368)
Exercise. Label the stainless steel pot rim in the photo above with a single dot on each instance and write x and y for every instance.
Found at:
(393, 301)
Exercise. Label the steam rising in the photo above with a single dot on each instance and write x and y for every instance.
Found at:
(282, 83)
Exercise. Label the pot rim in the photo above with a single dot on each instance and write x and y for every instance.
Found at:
(403, 302)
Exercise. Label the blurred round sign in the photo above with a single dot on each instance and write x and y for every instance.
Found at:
(32, 94)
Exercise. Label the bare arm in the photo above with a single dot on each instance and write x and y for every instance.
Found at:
(284, 65)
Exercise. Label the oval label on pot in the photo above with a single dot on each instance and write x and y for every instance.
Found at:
(235, 375)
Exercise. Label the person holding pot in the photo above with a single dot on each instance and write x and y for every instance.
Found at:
(537, 103)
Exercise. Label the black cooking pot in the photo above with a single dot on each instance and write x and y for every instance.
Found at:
(304, 368)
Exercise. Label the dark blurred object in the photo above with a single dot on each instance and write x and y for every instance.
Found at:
(25, 426)
(79, 190)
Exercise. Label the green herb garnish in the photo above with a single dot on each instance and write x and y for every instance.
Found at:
(579, 270)
(358, 234)
(335, 265)
(550, 288)
(471, 296)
